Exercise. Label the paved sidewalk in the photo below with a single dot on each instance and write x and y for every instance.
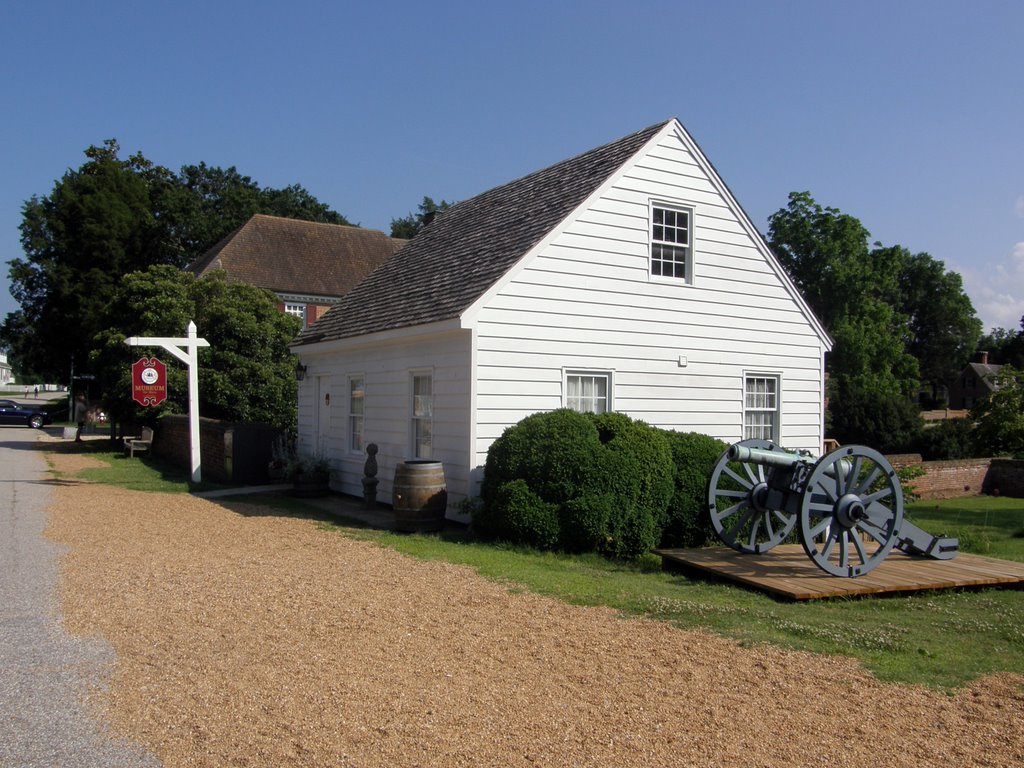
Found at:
(45, 673)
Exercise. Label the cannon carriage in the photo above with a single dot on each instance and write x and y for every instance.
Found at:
(847, 506)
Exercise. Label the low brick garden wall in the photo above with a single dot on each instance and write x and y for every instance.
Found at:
(230, 452)
(964, 477)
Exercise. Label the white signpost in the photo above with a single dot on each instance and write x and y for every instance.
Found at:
(186, 350)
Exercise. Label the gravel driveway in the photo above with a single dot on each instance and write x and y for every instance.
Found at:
(45, 673)
(248, 638)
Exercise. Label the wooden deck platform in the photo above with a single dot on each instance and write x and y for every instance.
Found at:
(788, 572)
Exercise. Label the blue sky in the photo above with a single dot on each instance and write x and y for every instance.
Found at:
(908, 115)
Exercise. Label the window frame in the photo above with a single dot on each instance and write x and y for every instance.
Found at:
(654, 243)
(352, 415)
(294, 308)
(607, 375)
(776, 410)
(417, 422)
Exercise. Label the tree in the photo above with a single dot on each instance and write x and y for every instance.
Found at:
(851, 290)
(96, 225)
(942, 327)
(407, 226)
(247, 372)
(999, 417)
(111, 217)
(1004, 347)
(896, 317)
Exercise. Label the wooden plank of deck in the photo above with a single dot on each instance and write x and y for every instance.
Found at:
(787, 571)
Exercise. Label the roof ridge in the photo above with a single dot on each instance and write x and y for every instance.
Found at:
(454, 260)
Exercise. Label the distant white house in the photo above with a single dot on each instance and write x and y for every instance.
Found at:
(627, 278)
(6, 374)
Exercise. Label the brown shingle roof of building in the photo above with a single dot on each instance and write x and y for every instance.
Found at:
(468, 247)
(290, 256)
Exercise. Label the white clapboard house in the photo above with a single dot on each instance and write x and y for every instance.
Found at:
(626, 278)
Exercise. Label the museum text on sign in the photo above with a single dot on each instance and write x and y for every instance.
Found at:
(149, 381)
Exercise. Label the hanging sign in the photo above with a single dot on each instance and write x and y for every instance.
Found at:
(149, 381)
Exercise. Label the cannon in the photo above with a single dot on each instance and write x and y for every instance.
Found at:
(848, 504)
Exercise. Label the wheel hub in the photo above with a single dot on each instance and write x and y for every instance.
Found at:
(849, 510)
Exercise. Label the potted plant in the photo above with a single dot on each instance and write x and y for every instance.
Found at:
(309, 475)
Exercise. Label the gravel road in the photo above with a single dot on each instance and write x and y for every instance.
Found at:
(244, 637)
(46, 674)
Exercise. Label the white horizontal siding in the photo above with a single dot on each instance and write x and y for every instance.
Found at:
(588, 302)
(387, 370)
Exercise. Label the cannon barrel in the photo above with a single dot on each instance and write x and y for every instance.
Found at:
(739, 452)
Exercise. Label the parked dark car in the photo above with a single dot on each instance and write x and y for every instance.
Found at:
(25, 415)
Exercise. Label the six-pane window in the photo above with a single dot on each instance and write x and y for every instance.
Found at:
(761, 408)
(670, 242)
(587, 392)
(422, 416)
(356, 405)
(296, 310)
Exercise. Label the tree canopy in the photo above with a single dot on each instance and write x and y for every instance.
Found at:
(999, 417)
(1004, 347)
(110, 217)
(407, 226)
(898, 319)
(246, 374)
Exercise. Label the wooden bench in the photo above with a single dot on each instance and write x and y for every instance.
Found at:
(142, 443)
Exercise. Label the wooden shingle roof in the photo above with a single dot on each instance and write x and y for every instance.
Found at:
(468, 247)
(289, 256)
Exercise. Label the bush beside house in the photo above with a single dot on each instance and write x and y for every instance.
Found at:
(601, 483)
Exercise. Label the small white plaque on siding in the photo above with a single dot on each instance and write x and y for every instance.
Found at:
(682, 361)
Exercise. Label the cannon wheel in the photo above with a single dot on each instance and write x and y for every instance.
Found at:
(851, 511)
(736, 494)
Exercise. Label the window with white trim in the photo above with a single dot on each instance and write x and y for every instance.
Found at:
(588, 392)
(671, 242)
(356, 412)
(296, 310)
(423, 416)
(761, 407)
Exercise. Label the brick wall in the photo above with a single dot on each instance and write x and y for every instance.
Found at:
(964, 477)
(1006, 478)
(229, 452)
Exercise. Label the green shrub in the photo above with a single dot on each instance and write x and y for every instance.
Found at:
(519, 515)
(586, 522)
(687, 523)
(651, 466)
(949, 439)
(553, 452)
(607, 477)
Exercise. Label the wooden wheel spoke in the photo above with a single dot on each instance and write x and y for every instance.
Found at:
(851, 478)
(744, 519)
(728, 470)
(731, 494)
(720, 516)
(859, 546)
(817, 530)
(863, 487)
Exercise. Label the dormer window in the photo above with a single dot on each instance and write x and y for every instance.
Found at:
(671, 242)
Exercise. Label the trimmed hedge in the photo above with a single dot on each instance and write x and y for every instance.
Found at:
(687, 522)
(594, 483)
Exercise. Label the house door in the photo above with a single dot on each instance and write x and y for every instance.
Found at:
(323, 414)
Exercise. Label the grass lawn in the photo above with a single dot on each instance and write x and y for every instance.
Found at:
(943, 639)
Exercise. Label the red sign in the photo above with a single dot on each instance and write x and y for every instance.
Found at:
(149, 381)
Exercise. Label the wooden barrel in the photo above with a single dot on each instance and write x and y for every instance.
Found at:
(419, 497)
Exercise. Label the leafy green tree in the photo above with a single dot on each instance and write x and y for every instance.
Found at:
(942, 327)
(407, 226)
(96, 225)
(1004, 347)
(110, 217)
(247, 372)
(999, 417)
(896, 317)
